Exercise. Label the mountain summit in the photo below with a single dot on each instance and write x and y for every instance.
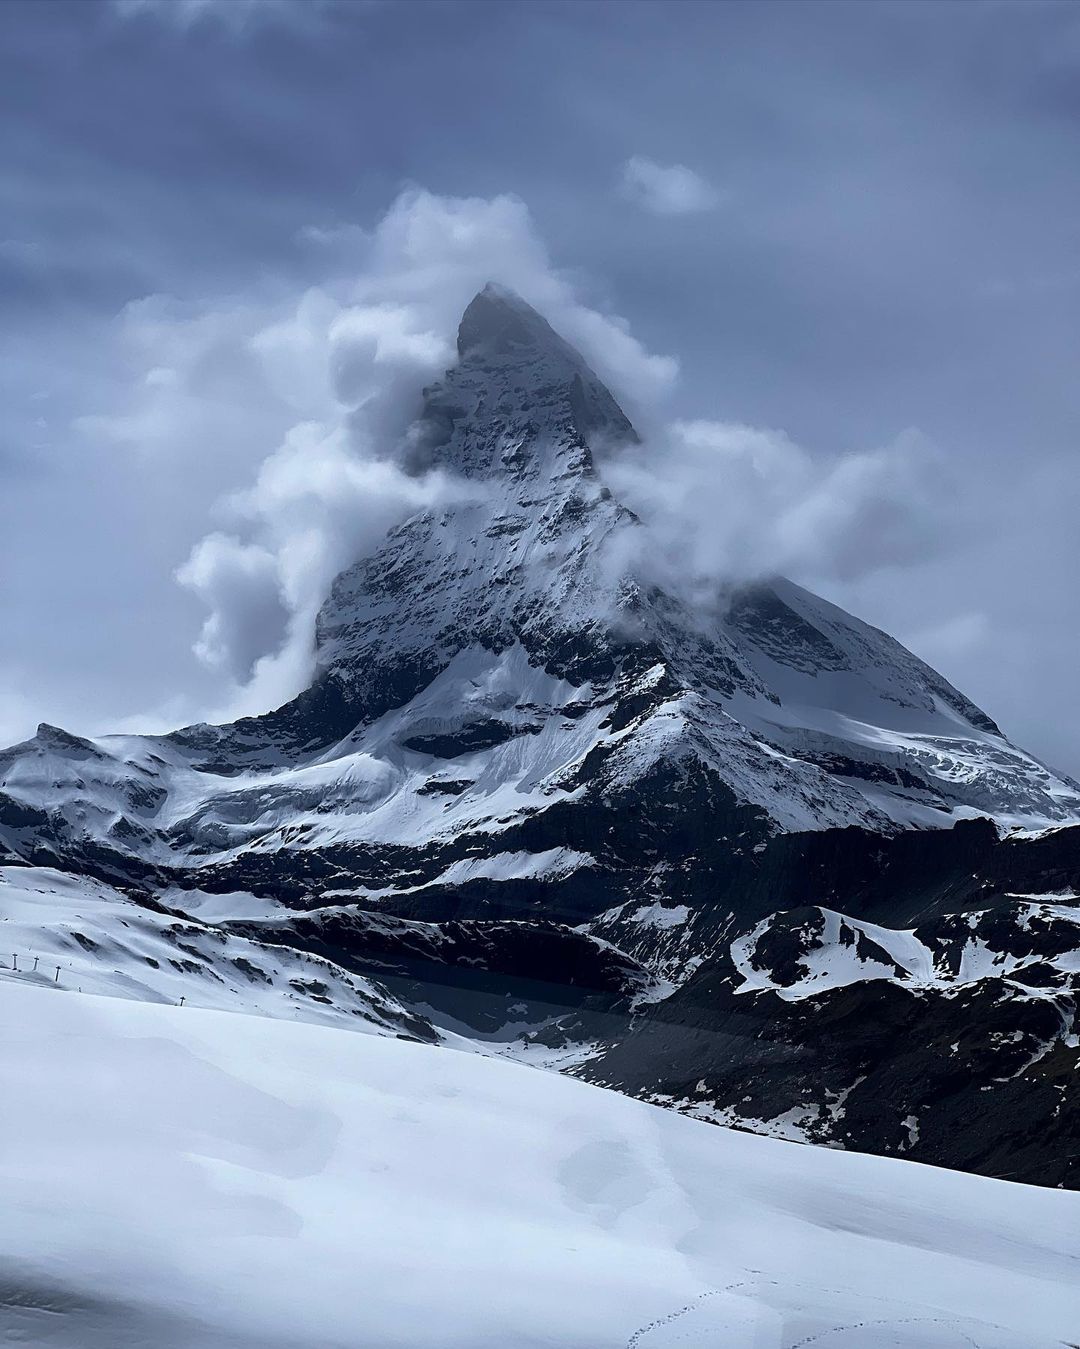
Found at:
(498, 323)
(504, 643)
(521, 757)
(516, 376)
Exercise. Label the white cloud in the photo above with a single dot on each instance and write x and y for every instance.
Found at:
(241, 585)
(308, 397)
(436, 252)
(666, 189)
(725, 502)
(318, 503)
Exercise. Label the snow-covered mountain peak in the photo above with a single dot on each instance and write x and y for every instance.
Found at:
(497, 322)
(806, 715)
(521, 402)
(498, 679)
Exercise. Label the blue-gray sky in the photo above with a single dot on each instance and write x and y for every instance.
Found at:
(855, 224)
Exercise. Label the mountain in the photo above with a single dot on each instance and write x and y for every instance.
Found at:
(753, 859)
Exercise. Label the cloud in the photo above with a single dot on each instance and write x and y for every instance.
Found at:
(724, 503)
(319, 503)
(298, 407)
(435, 253)
(670, 189)
(241, 585)
(307, 398)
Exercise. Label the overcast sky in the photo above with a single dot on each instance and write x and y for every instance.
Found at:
(852, 227)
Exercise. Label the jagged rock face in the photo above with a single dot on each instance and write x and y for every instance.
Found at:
(482, 975)
(521, 558)
(513, 731)
(954, 1043)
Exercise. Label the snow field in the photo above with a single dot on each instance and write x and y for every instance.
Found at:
(180, 1177)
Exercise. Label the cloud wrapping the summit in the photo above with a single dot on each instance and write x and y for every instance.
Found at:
(315, 394)
(316, 506)
(726, 503)
(343, 365)
(239, 584)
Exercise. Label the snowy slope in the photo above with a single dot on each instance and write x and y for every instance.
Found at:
(1032, 941)
(331, 965)
(75, 933)
(188, 1178)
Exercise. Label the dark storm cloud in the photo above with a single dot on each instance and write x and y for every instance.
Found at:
(896, 247)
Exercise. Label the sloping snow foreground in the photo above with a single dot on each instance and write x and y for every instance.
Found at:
(179, 1178)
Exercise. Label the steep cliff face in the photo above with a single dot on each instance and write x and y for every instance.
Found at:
(511, 723)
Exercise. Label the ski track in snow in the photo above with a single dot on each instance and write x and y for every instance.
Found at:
(948, 1333)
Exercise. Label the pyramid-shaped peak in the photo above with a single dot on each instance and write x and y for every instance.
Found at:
(498, 322)
(503, 339)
